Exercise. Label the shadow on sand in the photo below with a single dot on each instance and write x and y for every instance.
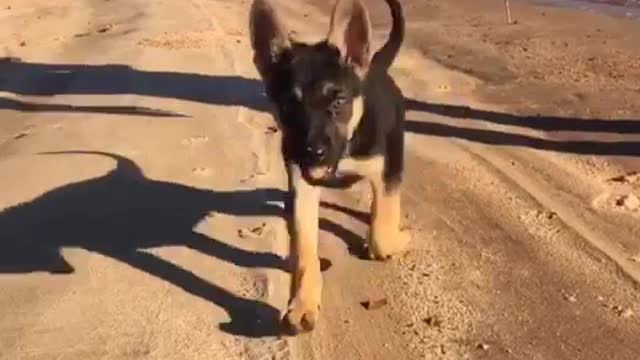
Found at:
(122, 213)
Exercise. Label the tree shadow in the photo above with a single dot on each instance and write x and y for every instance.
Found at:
(32, 107)
(541, 123)
(38, 79)
(121, 214)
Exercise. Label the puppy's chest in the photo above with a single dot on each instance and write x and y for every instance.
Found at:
(364, 166)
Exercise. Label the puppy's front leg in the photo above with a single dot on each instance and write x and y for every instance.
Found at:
(304, 307)
(385, 238)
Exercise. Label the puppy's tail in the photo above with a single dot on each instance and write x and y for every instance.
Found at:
(383, 58)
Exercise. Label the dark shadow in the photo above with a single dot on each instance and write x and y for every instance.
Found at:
(361, 216)
(122, 213)
(539, 122)
(490, 137)
(35, 79)
(356, 245)
(31, 107)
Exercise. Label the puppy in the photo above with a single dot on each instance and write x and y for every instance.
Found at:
(342, 119)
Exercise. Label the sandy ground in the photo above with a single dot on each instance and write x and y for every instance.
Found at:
(142, 189)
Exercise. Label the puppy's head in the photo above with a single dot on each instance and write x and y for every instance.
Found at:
(316, 88)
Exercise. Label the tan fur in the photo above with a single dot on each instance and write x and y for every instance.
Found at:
(350, 32)
(304, 308)
(385, 238)
(370, 167)
(357, 110)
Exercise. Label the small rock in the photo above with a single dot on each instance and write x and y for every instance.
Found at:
(20, 135)
(374, 304)
(629, 202)
(105, 28)
(433, 321)
(570, 298)
(253, 232)
(23, 43)
(483, 346)
(626, 313)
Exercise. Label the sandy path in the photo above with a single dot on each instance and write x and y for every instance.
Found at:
(175, 251)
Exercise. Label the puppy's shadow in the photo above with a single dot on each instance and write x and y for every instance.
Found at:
(121, 214)
(356, 244)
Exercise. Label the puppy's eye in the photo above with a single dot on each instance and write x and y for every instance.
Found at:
(340, 99)
(297, 92)
(336, 104)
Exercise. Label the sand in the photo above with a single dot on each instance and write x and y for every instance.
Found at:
(142, 188)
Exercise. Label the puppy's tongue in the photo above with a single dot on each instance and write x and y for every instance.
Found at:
(319, 172)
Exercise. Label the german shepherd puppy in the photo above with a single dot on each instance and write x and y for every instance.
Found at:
(342, 119)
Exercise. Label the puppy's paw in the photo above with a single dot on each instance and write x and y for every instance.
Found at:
(385, 246)
(302, 315)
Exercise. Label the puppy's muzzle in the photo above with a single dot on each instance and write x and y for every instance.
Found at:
(317, 166)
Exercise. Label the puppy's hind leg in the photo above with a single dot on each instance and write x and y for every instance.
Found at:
(304, 307)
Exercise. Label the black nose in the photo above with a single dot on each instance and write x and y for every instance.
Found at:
(316, 152)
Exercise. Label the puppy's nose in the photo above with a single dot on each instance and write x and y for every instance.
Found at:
(316, 152)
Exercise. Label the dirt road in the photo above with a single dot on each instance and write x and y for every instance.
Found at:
(142, 189)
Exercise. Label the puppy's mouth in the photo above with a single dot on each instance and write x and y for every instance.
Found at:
(320, 172)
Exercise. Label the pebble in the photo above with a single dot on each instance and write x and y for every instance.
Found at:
(571, 298)
(626, 313)
(374, 304)
(629, 202)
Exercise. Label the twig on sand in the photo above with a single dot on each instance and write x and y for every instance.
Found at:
(507, 11)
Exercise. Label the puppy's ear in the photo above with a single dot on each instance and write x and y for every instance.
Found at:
(269, 38)
(350, 32)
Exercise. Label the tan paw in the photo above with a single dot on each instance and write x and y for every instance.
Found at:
(302, 315)
(385, 248)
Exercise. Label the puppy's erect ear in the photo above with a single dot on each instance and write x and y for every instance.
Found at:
(350, 32)
(268, 36)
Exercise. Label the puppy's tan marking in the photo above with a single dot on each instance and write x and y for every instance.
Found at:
(369, 167)
(385, 238)
(304, 308)
(357, 107)
(350, 32)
